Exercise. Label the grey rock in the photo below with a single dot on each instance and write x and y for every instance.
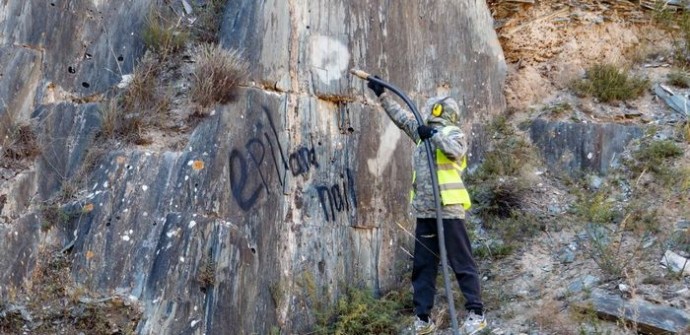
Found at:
(677, 102)
(650, 318)
(577, 147)
(583, 283)
(566, 256)
(555, 209)
(595, 182)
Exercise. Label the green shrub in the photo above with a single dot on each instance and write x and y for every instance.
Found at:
(608, 83)
(654, 156)
(358, 312)
(217, 76)
(685, 131)
(558, 109)
(510, 233)
(595, 207)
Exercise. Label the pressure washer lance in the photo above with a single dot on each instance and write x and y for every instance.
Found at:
(434, 180)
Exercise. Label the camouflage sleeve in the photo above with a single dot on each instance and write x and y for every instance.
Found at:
(402, 118)
(451, 141)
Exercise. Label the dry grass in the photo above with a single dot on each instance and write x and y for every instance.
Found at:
(142, 91)
(218, 74)
(57, 306)
(163, 33)
(139, 107)
(206, 274)
(207, 27)
(552, 319)
(20, 143)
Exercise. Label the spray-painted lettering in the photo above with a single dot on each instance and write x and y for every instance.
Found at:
(302, 160)
(335, 199)
(263, 158)
(255, 151)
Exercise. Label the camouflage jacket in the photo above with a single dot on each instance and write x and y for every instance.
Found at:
(453, 145)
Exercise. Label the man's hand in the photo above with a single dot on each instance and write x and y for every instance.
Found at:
(376, 87)
(425, 132)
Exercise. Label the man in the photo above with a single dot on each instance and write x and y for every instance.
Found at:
(449, 146)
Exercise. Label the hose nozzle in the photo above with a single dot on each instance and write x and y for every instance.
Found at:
(359, 73)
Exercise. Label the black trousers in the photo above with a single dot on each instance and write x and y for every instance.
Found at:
(427, 258)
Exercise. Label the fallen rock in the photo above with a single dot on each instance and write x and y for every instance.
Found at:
(677, 102)
(650, 318)
(583, 283)
(566, 256)
(676, 263)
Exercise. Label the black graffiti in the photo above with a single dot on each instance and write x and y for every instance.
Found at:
(255, 152)
(238, 181)
(302, 160)
(251, 175)
(335, 199)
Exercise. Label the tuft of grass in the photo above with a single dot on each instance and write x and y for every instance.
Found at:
(10, 322)
(141, 93)
(608, 83)
(52, 215)
(678, 79)
(218, 74)
(595, 207)
(163, 34)
(19, 143)
(206, 274)
(654, 156)
(138, 107)
(206, 28)
(510, 232)
(558, 109)
(507, 158)
(499, 198)
(685, 131)
(359, 312)
(94, 320)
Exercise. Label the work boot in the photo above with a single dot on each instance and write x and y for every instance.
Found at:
(422, 327)
(473, 323)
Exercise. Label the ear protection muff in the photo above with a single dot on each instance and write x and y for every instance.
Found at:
(437, 110)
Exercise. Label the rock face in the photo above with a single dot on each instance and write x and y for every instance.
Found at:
(279, 200)
(577, 147)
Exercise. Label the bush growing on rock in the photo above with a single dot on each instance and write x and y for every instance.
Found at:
(19, 143)
(218, 74)
(163, 35)
(608, 83)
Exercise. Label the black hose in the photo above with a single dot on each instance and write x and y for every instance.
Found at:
(437, 200)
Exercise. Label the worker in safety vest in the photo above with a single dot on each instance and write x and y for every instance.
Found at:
(449, 145)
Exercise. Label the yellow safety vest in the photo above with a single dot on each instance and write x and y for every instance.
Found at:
(449, 174)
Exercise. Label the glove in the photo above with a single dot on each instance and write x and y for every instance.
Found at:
(425, 132)
(376, 87)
